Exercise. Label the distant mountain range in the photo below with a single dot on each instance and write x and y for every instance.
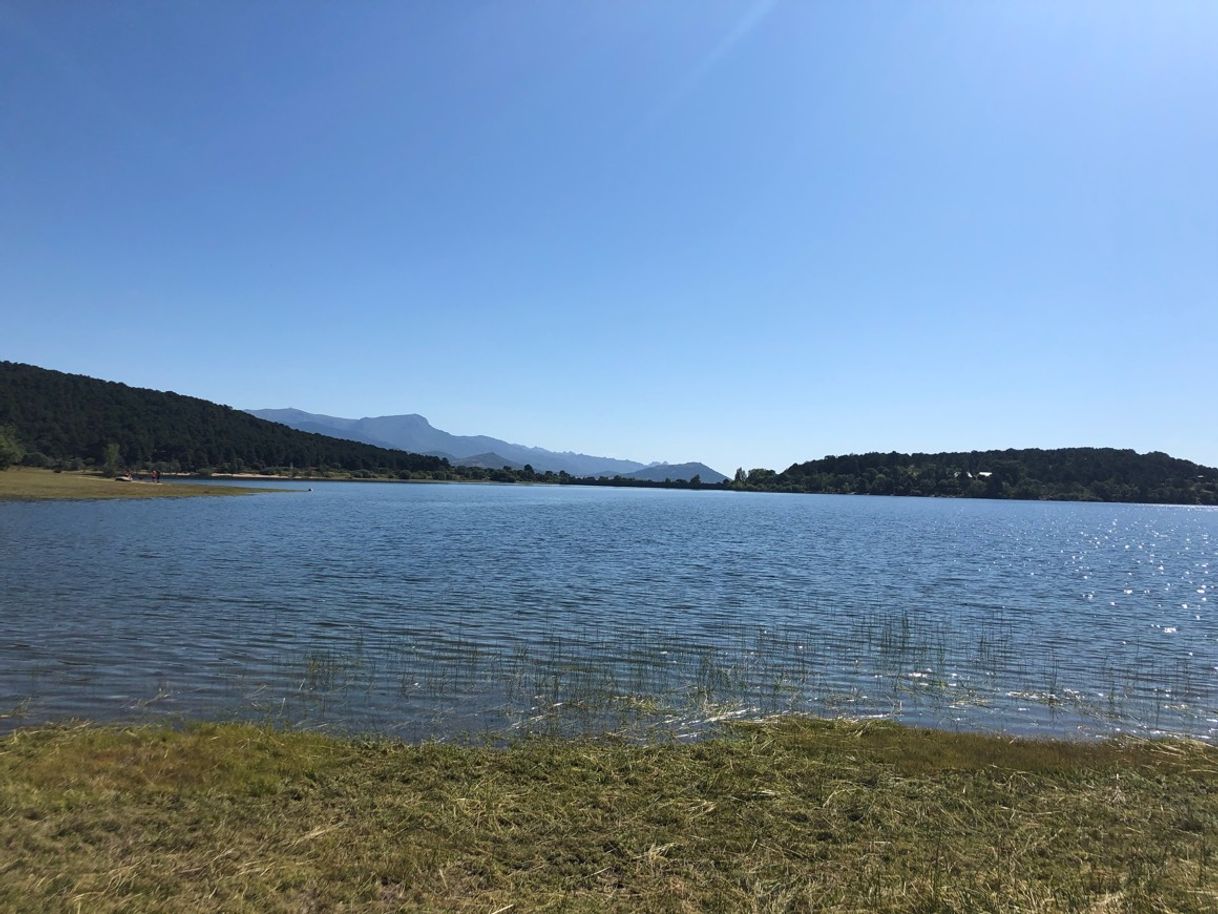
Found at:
(414, 433)
(66, 421)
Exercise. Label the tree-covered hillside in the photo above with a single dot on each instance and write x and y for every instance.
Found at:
(59, 418)
(1078, 474)
(49, 418)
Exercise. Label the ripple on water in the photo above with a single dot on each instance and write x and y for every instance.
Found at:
(446, 610)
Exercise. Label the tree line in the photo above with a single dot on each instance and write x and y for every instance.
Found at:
(1073, 474)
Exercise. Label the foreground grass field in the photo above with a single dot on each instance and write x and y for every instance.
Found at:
(28, 484)
(794, 815)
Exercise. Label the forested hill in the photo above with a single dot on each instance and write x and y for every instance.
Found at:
(66, 417)
(1077, 474)
(63, 419)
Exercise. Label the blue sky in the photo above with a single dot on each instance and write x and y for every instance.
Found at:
(748, 233)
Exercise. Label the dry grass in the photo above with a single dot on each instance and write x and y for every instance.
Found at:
(28, 484)
(794, 815)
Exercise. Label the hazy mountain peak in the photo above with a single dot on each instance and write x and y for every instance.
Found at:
(662, 472)
(412, 432)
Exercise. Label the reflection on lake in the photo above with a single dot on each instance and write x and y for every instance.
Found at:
(453, 610)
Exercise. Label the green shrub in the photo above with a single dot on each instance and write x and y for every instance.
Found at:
(10, 449)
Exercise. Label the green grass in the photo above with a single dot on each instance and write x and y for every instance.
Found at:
(28, 484)
(792, 815)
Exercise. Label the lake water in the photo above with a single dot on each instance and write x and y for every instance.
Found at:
(453, 611)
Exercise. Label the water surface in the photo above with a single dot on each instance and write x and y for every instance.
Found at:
(450, 610)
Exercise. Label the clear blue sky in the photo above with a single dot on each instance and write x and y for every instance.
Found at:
(748, 233)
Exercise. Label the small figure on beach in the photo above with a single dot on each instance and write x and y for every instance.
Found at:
(156, 475)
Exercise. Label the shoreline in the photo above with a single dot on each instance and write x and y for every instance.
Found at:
(28, 484)
(93, 486)
(791, 814)
(680, 487)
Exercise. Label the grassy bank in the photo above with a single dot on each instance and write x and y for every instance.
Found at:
(796, 815)
(28, 484)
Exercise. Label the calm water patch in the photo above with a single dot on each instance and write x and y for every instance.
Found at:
(451, 610)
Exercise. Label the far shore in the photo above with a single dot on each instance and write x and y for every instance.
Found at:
(29, 484)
